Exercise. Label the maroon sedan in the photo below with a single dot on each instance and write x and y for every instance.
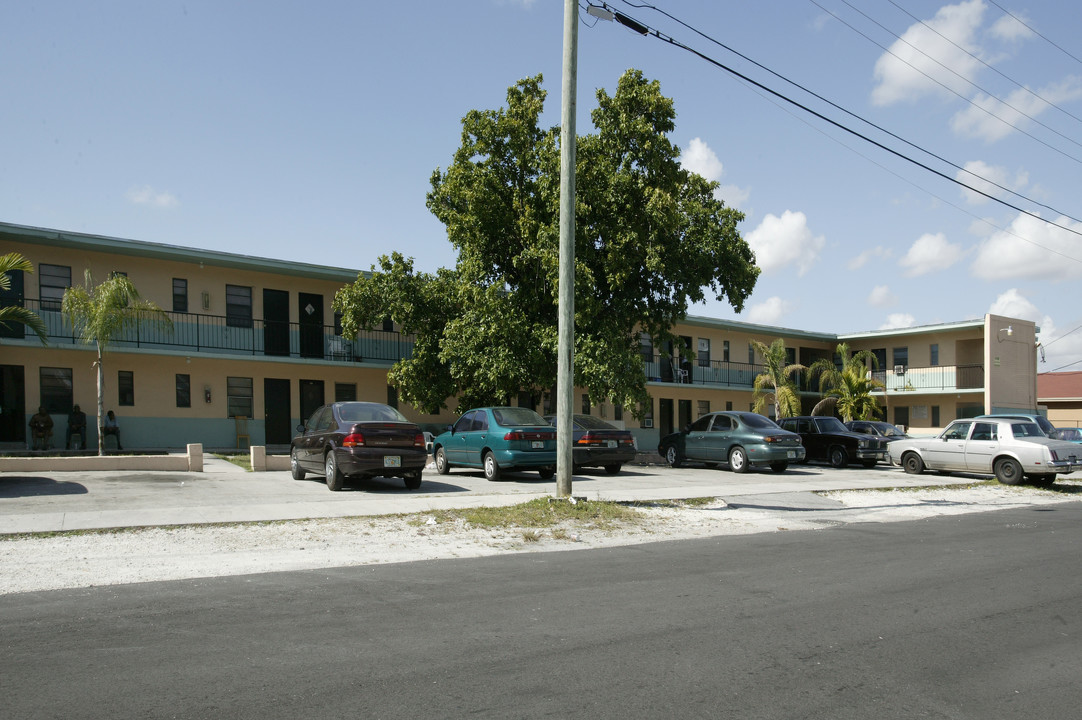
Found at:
(356, 440)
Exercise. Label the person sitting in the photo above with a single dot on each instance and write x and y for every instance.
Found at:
(112, 427)
(76, 426)
(41, 428)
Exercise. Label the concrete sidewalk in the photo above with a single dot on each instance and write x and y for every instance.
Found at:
(226, 493)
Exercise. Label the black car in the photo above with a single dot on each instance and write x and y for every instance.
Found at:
(598, 444)
(358, 439)
(885, 430)
(826, 438)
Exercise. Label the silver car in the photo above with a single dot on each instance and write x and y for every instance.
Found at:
(1009, 449)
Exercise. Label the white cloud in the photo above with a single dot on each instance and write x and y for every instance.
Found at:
(929, 253)
(991, 119)
(861, 260)
(898, 320)
(1009, 29)
(770, 311)
(1013, 304)
(984, 177)
(881, 296)
(1030, 248)
(924, 52)
(147, 195)
(785, 240)
(699, 158)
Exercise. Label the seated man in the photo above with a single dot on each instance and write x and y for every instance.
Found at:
(112, 428)
(76, 426)
(41, 428)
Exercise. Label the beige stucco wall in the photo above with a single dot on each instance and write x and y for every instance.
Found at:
(1010, 364)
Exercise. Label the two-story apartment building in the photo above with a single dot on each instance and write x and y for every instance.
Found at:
(257, 338)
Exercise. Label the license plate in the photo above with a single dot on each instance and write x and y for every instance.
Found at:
(791, 453)
(538, 444)
(610, 443)
(392, 461)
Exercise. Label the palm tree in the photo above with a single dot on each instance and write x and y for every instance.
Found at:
(775, 384)
(852, 385)
(15, 313)
(99, 314)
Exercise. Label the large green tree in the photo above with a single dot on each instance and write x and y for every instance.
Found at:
(775, 385)
(650, 239)
(851, 386)
(15, 314)
(99, 314)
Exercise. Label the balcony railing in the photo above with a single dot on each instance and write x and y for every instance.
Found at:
(197, 333)
(936, 378)
(716, 372)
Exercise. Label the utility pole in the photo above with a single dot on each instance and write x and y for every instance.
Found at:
(565, 362)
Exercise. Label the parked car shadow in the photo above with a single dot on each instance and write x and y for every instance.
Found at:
(391, 485)
(28, 486)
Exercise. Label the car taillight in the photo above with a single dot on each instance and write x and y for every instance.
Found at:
(1055, 457)
(776, 438)
(516, 435)
(587, 439)
(353, 440)
(419, 440)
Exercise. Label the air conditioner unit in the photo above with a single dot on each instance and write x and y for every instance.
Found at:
(647, 422)
(899, 369)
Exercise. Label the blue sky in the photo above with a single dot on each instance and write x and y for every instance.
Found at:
(309, 132)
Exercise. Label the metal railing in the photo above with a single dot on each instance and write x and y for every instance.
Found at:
(939, 377)
(660, 368)
(196, 333)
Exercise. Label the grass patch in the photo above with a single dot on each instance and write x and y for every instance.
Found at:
(676, 503)
(541, 513)
(243, 460)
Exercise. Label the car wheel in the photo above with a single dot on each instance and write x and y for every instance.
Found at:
(334, 475)
(294, 467)
(868, 463)
(780, 466)
(1008, 471)
(673, 457)
(492, 468)
(838, 457)
(413, 480)
(613, 469)
(912, 463)
(738, 460)
(442, 466)
(546, 472)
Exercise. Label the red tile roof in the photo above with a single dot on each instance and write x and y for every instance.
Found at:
(1059, 385)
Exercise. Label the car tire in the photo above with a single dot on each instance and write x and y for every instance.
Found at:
(738, 460)
(839, 458)
(546, 473)
(442, 466)
(492, 468)
(912, 463)
(294, 467)
(674, 457)
(1008, 471)
(334, 476)
(613, 469)
(779, 466)
(413, 480)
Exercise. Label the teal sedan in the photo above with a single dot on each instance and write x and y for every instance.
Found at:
(742, 440)
(495, 439)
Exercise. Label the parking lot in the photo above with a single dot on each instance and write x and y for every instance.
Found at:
(43, 502)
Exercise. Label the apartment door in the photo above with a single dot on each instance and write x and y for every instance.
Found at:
(664, 416)
(277, 415)
(13, 297)
(311, 316)
(12, 404)
(311, 397)
(275, 322)
(685, 413)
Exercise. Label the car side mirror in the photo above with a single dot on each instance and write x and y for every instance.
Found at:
(301, 428)
(451, 429)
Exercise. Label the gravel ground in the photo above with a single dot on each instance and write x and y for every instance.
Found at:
(35, 563)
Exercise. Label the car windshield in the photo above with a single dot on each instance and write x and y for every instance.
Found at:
(830, 424)
(589, 422)
(760, 422)
(1026, 429)
(889, 430)
(1069, 434)
(369, 412)
(515, 416)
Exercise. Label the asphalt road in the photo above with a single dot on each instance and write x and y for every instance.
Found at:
(974, 616)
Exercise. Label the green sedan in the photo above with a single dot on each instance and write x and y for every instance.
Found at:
(741, 439)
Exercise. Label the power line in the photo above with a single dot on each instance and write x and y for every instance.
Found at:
(987, 65)
(672, 41)
(1034, 31)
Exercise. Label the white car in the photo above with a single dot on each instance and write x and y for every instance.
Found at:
(1010, 449)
